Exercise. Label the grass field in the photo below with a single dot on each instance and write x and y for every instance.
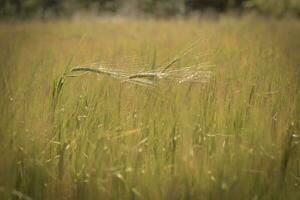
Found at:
(234, 135)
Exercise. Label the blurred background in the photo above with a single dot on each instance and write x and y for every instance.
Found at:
(161, 8)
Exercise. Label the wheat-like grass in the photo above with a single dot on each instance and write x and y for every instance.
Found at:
(194, 73)
(149, 78)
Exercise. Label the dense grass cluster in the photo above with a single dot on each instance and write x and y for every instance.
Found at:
(234, 136)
